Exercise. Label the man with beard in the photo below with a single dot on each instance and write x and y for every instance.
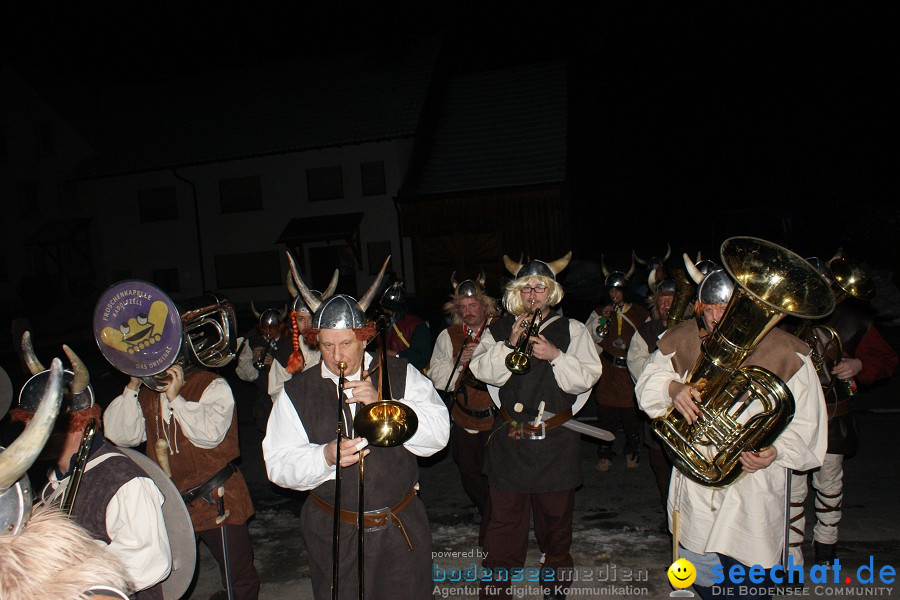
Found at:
(471, 407)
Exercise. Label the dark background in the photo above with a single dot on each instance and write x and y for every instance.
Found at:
(687, 124)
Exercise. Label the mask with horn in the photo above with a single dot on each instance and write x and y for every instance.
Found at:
(468, 287)
(78, 406)
(617, 279)
(15, 490)
(537, 267)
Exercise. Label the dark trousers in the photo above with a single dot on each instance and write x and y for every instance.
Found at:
(726, 589)
(244, 579)
(662, 471)
(609, 417)
(506, 540)
(468, 450)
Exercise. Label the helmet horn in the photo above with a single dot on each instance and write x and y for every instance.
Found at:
(31, 360)
(18, 458)
(668, 252)
(560, 263)
(332, 285)
(511, 265)
(603, 266)
(631, 270)
(635, 257)
(311, 301)
(82, 376)
(373, 289)
(256, 313)
(693, 271)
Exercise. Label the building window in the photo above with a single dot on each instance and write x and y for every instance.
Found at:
(239, 194)
(29, 202)
(158, 204)
(167, 280)
(373, 178)
(46, 142)
(378, 251)
(248, 269)
(325, 183)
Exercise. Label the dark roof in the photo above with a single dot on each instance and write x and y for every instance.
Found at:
(320, 229)
(297, 104)
(499, 129)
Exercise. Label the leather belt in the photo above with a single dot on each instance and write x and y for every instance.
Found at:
(214, 482)
(617, 361)
(516, 429)
(372, 519)
(478, 414)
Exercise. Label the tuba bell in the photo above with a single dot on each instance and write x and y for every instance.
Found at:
(771, 283)
(142, 332)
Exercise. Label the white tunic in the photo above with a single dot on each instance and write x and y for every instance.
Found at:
(134, 523)
(744, 520)
(576, 370)
(292, 461)
(203, 423)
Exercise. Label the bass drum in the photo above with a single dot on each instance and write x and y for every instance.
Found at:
(178, 526)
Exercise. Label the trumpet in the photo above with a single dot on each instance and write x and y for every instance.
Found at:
(519, 361)
(260, 363)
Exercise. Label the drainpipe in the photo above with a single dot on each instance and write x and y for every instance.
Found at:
(197, 226)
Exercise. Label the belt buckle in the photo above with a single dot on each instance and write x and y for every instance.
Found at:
(386, 511)
(535, 436)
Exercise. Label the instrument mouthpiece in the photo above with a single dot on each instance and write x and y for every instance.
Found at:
(342, 366)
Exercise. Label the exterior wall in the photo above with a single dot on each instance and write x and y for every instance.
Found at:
(22, 161)
(126, 244)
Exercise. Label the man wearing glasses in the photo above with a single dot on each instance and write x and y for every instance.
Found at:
(532, 463)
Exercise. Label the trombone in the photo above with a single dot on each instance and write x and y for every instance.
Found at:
(384, 423)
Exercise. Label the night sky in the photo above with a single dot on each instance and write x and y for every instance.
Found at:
(687, 124)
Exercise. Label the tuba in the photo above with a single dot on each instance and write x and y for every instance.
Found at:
(141, 332)
(771, 283)
(847, 279)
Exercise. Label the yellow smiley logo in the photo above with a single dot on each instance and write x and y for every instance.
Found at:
(682, 573)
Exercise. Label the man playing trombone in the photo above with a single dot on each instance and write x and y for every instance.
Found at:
(533, 465)
(301, 453)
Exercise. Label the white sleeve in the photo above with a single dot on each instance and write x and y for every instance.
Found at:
(802, 445)
(591, 326)
(652, 387)
(638, 355)
(578, 368)
(245, 369)
(291, 460)
(434, 420)
(488, 362)
(442, 361)
(135, 524)
(123, 420)
(277, 377)
(206, 422)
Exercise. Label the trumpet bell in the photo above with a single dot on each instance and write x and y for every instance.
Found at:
(385, 423)
(518, 363)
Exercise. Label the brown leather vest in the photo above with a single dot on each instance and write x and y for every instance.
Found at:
(615, 387)
(473, 399)
(192, 466)
(777, 352)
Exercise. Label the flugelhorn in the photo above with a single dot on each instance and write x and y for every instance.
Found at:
(771, 283)
(519, 360)
(142, 332)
